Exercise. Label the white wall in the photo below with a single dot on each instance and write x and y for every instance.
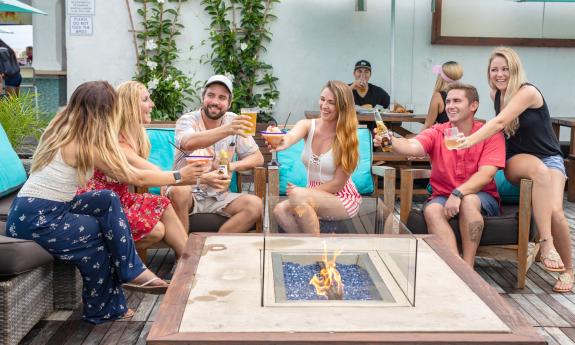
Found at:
(317, 40)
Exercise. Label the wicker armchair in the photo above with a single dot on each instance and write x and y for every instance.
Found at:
(24, 300)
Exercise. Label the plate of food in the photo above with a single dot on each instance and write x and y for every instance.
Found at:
(397, 110)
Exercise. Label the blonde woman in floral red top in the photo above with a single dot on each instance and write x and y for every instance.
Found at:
(151, 217)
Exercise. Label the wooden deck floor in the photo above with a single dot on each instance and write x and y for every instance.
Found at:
(552, 314)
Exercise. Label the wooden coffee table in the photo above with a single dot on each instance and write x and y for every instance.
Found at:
(166, 328)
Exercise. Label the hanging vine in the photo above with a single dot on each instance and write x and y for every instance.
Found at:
(238, 33)
(157, 54)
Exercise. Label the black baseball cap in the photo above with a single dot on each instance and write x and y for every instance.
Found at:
(362, 64)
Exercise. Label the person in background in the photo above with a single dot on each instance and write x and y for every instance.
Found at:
(89, 230)
(151, 217)
(29, 55)
(365, 94)
(533, 152)
(447, 73)
(212, 129)
(12, 79)
(462, 181)
(330, 156)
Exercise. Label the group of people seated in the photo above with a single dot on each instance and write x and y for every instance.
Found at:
(77, 205)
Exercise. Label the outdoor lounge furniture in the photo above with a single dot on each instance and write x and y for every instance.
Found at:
(25, 287)
(511, 236)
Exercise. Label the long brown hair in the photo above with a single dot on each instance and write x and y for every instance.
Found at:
(516, 79)
(345, 147)
(91, 121)
(131, 129)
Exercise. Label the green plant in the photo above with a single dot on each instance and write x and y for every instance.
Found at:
(157, 53)
(20, 118)
(238, 32)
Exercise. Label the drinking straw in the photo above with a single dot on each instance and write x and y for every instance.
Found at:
(285, 124)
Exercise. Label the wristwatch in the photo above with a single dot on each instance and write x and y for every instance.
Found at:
(457, 193)
(177, 176)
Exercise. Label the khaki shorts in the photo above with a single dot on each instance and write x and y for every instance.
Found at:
(211, 205)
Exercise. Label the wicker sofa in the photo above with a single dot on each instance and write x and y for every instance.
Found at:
(25, 287)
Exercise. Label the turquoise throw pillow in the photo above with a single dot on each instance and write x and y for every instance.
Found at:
(12, 172)
(508, 192)
(162, 153)
(292, 169)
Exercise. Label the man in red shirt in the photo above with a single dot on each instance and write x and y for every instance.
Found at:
(462, 180)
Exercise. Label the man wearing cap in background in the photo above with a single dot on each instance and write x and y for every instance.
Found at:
(215, 129)
(366, 94)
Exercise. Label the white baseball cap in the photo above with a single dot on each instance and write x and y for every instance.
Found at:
(221, 79)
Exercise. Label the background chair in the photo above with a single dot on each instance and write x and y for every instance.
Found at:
(29, 81)
(511, 236)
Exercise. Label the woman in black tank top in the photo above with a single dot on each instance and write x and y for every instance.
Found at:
(446, 74)
(532, 152)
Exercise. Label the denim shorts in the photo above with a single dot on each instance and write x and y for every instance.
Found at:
(555, 162)
(489, 205)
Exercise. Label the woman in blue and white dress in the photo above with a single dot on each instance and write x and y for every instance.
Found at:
(89, 230)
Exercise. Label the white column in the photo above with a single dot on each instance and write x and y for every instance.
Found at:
(49, 36)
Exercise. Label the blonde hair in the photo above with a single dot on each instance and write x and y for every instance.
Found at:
(131, 129)
(91, 121)
(516, 79)
(453, 71)
(346, 144)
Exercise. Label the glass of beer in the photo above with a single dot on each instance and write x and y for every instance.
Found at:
(253, 114)
(450, 136)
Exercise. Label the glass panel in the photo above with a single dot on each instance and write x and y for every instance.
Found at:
(375, 255)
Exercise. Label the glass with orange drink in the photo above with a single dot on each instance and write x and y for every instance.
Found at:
(253, 115)
(203, 157)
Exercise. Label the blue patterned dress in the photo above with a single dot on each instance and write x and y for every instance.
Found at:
(90, 230)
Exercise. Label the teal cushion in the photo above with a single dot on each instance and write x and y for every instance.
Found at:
(162, 153)
(12, 173)
(508, 192)
(292, 169)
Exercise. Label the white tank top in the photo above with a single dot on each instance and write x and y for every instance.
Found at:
(320, 168)
(57, 181)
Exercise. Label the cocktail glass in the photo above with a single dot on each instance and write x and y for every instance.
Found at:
(205, 159)
(274, 139)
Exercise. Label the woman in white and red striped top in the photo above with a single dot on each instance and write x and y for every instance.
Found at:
(330, 156)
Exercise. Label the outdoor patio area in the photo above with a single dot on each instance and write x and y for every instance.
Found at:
(552, 314)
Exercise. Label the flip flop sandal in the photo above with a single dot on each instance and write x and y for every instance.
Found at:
(146, 287)
(566, 279)
(552, 255)
(128, 315)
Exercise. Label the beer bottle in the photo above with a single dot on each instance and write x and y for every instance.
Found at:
(383, 131)
(224, 162)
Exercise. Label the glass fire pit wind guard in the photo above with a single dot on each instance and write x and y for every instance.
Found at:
(376, 269)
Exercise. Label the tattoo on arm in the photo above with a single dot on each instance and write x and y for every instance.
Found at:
(475, 231)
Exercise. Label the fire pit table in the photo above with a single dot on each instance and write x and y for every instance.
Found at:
(389, 287)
